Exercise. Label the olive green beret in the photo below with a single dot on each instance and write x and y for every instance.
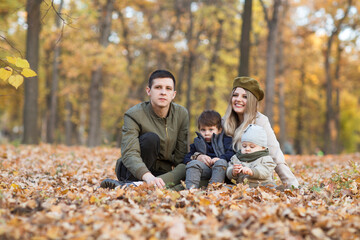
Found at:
(249, 84)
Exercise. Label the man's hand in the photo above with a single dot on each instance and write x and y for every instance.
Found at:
(205, 159)
(152, 180)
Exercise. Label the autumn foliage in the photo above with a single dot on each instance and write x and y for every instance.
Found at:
(314, 91)
(51, 192)
(15, 78)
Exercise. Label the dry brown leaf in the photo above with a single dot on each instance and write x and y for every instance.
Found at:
(51, 192)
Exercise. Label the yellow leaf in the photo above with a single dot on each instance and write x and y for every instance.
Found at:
(22, 63)
(5, 73)
(93, 199)
(15, 186)
(119, 192)
(64, 191)
(174, 195)
(16, 80)
(27, 72)
(11, 60)
(204, 202)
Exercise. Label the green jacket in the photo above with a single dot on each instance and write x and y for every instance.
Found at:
(172, 130)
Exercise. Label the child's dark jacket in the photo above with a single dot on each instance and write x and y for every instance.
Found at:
(220, 146)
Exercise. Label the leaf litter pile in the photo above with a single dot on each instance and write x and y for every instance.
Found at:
(51, 192)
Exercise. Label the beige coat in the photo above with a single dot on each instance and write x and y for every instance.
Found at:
(263, 169)
(282, 169)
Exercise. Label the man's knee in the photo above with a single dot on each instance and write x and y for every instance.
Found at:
(180, 168)
(149, 141)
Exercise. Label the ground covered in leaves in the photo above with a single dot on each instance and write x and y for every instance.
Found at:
(51, 192)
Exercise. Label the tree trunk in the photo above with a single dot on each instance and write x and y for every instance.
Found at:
(338, 143)
(126, 43)
(210, 103)
(330, 130)
(95, 94)
(299, 118)
(81, 126)
(189, 83)
(244, 45)
(31, 133)
(180, 79)
(281, 90)
(51, 120)
(331, 134)
(281, 85)
(68, 123)
(191, 58)
(46, 113)
(271, 58)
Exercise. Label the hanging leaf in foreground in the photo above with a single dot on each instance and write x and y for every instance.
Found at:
(15, 74)
(5, 73)
(16, 80)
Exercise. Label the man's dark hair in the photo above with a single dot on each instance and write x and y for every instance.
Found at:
(209, 118)
(160, 74)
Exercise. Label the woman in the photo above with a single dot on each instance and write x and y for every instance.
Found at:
(242, 111)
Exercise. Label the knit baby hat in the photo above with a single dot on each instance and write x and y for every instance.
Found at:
(249, 84)
(255, 134)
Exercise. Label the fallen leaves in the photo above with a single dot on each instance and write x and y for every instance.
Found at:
(51, 192)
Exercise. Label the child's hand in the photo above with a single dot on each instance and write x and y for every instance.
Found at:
(247, 171)
(236, 169)
(214, 160)
(205, 159)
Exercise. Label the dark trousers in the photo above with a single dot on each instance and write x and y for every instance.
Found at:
(149, 152)
(149, 149)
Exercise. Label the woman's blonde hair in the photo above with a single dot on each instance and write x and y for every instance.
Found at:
(233, 126)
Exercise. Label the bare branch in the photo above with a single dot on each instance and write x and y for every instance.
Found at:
(337, 27)
(4, 38)
(47, 11)
(58, 12)
(266, 16)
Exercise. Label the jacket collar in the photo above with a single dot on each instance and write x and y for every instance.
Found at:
(152, 112)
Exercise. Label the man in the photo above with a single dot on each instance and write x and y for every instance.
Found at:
(154, 137)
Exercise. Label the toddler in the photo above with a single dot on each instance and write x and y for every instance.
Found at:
(252, 161)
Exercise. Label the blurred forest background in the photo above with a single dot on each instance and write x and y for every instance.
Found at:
(93, 59)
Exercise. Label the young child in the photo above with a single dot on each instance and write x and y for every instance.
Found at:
(210, 152)
(252, 162)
